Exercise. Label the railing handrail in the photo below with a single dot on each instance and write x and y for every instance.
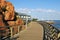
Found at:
(45, 26)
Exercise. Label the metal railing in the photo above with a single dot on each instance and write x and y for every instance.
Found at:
(4, 32)
(10, 33)
(50, 32)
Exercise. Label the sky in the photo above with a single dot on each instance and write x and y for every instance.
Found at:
(41, 9)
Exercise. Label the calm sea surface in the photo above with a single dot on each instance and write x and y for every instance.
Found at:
(56, 24)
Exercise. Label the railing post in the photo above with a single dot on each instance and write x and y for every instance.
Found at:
(18, 29)
(11, 31)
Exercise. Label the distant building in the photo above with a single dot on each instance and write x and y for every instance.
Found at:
(25, 17)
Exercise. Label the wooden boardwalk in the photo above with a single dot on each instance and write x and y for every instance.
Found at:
(33, 32)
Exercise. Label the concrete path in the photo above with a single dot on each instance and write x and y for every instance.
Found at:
(33, 32)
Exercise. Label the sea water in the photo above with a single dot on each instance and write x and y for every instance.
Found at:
(56, 24)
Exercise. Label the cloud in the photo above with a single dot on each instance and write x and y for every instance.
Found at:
(45, 10)
(50, 13)
(23, 10)
(39, 10)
